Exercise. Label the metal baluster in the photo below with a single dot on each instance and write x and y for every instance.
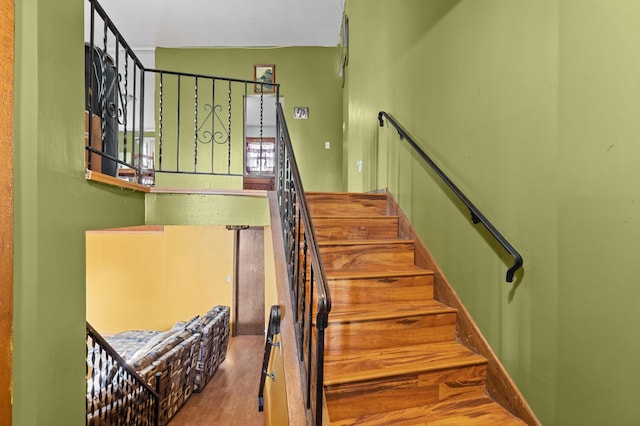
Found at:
(245, 147)
(91, 357)
(178, 144)
(133, 115)
(260, 157)
(229, 130)
(103, 390)
(319, 371)
(125, 106)
(89, 106)
(213, 116)
(195, 129)
(309, 329)
(117, 93)
(103, 88)
(303, 297)
(298, 236)
(160, 124)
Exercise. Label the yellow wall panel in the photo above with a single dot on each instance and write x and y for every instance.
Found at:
(151, 279)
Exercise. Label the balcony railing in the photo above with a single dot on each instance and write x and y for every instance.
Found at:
(143, 121)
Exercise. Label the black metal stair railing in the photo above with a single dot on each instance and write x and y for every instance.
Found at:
(144, 121)
(116, 394)
(476, 214)
(307, 279)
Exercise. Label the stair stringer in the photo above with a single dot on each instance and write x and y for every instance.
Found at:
(500, 386)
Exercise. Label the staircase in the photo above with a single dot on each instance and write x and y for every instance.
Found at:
(392, 355)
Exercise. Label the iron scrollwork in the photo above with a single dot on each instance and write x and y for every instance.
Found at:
(219, 137)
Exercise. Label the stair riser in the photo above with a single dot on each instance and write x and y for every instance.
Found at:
(341, 204)
(352, 400)
(385, 290)
(356, 229)
(362, 257)
(397, 332)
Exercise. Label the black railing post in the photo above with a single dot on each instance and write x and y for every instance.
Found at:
(141, 170)
(319, 368)
(103, 89)
(272, 330)
(133, 120)
(125, 105)
(178, 126)
(91, 95)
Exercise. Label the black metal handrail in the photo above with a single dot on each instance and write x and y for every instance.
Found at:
(476, 215)
(116, 394)
(274, 328)
(307, 279)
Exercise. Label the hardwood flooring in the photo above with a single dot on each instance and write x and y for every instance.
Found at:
(231, 397)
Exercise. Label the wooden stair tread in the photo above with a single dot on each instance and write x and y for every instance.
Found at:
(472, 411)
(378, 311)
(373, 364)
(381, 195)
(342, 274)
(323, 243)
(356, 217)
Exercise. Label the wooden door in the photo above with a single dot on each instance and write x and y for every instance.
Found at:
(6, 206)
(249, 289)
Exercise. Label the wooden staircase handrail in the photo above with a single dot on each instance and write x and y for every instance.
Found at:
(476, 214)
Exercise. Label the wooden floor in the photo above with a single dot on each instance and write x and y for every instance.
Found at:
(231, 397)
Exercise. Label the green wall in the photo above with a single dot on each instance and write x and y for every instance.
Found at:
(202, 209)
(54, 205)
(531, 107)
(308, 77)
(598, 212)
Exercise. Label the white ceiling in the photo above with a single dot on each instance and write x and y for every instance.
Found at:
(146, 24)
